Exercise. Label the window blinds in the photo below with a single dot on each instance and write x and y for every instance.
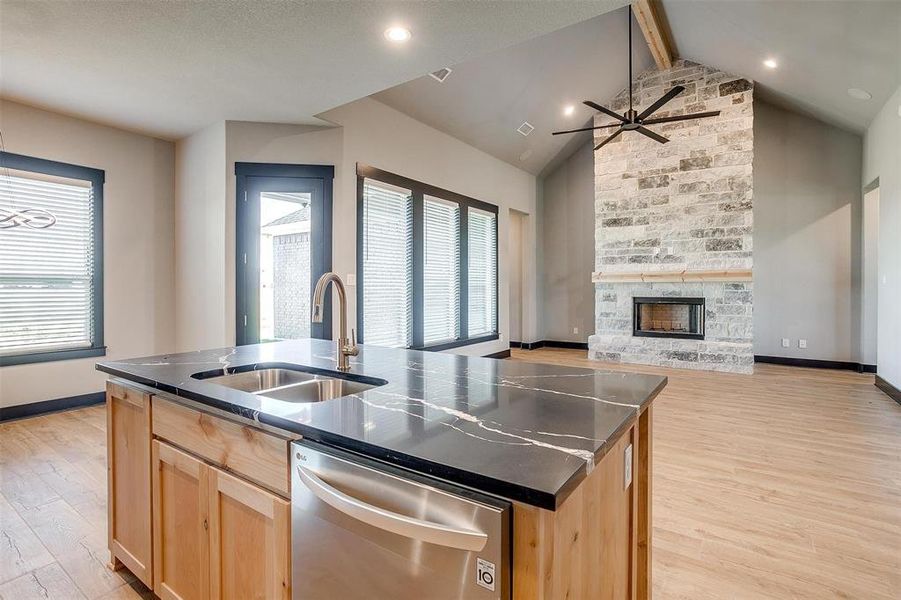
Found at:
(46, 274)
(441, 270)
(387, 265)
(482, 272)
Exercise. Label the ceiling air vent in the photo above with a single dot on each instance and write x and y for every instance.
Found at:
(441, 74)
(526, 128)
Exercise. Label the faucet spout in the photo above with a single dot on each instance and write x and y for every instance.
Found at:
(346, 347)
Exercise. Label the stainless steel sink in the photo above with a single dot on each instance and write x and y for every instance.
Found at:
(290, 385)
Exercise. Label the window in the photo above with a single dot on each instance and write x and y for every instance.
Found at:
(427, 264)
(387, 262)
(440, 271)
(482, 272)
(51, 257)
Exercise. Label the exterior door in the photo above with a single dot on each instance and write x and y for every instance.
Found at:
(284, 241)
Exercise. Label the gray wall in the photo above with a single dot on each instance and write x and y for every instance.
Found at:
(807, 211)
(567, 249)
(882, 160)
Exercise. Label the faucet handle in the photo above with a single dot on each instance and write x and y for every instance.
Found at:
(352, 349)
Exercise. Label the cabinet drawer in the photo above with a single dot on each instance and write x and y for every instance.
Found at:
(250, 452)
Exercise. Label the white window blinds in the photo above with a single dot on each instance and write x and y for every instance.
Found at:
(46, 273)
(482, 247)
(441, 270)
(387, 265)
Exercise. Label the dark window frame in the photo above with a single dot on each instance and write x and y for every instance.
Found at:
(419, 190)
(244, 233)
(97, 177)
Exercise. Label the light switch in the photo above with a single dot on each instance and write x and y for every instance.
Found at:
(802, 343)
(785, 342)
(351, 279)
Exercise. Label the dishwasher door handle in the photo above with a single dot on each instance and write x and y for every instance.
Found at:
(417, 529)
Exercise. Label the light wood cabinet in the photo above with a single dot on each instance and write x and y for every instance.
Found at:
(180, 525)
(587, 548)
(128, 468)
(250, 452)
(250, 541)
(186, 528)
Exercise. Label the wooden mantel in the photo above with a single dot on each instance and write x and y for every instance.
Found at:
(671, 276)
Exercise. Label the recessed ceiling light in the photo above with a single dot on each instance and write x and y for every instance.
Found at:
(398, 34)
(770, 63)
(859, 94)
(568, 110)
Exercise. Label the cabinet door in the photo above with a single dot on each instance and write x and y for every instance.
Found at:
(250, 551)
(128, 467)
(180, 525)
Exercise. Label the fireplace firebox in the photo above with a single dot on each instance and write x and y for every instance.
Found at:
(668, 317)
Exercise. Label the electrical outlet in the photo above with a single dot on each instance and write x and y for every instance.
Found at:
(627, 471)
(576, 330)
(785, 342)
(802, 343)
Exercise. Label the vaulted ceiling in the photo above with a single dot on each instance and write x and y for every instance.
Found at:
(485, 100)
(822, 49)
(171, 68)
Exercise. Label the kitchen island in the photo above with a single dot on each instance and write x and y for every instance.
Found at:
(568, 447)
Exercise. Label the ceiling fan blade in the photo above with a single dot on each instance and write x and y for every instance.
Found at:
(652, 135)
(699, 115)
(610, 139)
(606, 111)
(663, 100)
(586, 129)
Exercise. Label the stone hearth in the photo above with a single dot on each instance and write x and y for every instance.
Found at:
(685, 205)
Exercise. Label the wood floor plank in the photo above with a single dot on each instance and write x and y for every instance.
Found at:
(79, 546)
(20, 549)
(47, 583)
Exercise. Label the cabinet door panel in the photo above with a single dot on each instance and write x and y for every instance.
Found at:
(180, 525)
(250, 556)
(128, 466)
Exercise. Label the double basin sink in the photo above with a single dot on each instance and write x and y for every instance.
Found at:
(290, 383)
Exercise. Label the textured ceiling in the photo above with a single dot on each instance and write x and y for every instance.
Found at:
(171, 68)
(822, 48)
(486, 99)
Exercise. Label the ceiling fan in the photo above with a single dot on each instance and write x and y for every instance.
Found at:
(632, 120)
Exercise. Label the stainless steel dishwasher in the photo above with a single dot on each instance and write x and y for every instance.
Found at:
(362, 529)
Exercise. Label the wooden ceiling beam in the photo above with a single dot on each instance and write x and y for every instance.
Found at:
(649, 14)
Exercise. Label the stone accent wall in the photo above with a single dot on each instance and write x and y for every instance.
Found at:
(684, 205)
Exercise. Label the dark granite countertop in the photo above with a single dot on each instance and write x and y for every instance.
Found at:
(527, 432)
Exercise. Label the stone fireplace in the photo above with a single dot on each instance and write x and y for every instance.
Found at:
(674, 225)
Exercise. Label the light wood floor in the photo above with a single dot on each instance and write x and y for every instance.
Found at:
(782, 484)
